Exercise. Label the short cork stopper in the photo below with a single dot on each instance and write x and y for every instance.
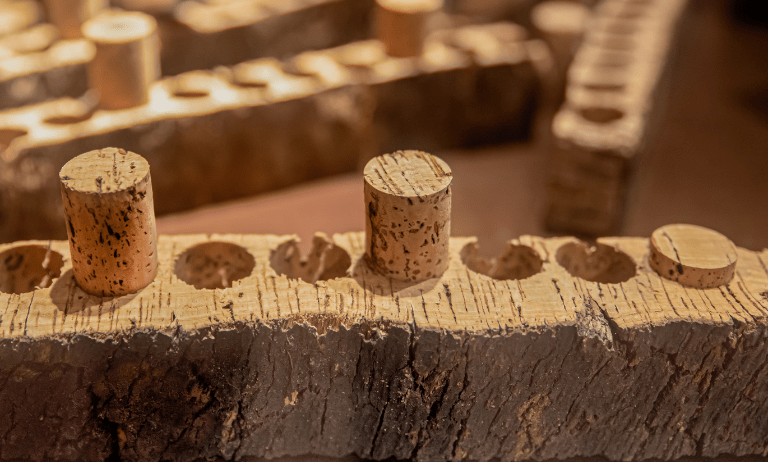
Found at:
(127, 59)
(69, 15)
(408, 208)
(402, 25)
(110, 218)
(693, 256)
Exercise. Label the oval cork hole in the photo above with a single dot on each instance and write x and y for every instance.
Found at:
(191, 85)
(601, 115)
(28, 267)
(214, 265)
(515, 262)
(597, 263)
(325, 261)
(7, 135)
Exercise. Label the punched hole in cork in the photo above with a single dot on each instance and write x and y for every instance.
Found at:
(606, 87)
(7, 135)
(257, 74)
(191, 85)
(214, 265)
(613, 59)
(597, 263)
(29, 267)
(515, 262)
(325, 260)
(601, 115)
(616, 44)
(621, 27)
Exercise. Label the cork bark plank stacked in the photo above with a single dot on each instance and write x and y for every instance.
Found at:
(239, 347)
(613, 101)
(318, 114)
(194, 35)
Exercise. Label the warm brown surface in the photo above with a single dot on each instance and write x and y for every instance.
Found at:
(707, 165)
(225, 354)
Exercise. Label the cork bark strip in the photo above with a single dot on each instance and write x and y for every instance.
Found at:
(465, 366)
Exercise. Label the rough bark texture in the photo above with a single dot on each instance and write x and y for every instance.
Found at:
(467, 366)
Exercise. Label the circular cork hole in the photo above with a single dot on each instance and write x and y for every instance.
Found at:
(325, 261)
(606, 87)
(255, 75)
(613, 59)
(214, 265)
(597, 263)
(515, 262)
(601, 115)
(616, 44)
(29, 267)
(66, 119)
(119, 27)
(191, 85)
(621, 27)
(7, 135)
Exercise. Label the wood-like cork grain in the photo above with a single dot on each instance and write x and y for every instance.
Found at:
(466, 366)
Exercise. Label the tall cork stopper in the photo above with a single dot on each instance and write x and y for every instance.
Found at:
(127, 57)
(408, 208)
(693, 256)
(402, 25)
(110, 218)
(69, 15)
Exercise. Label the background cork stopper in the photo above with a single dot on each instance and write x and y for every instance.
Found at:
(408, 207)
(110, 220)
(402, 25)
(69, 15)
(693, 256)
(127, 57)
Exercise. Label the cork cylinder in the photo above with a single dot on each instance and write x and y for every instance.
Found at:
(127, 59)
(69, 15)
(692, 256)
(408, 209)
(402, 25)
(110, 219)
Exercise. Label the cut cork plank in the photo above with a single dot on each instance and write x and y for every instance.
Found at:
(267, 124)
(611, 110)
(613, 362)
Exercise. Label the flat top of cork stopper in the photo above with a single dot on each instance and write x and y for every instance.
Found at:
(411, 6)
(408, 173)
(104, 170)
(694, 246)
(119, 27)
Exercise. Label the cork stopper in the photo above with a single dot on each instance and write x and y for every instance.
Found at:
(408, 207)
(693, 256)
(110, 218)
(69, 15)
(402, 25)
(127, 58)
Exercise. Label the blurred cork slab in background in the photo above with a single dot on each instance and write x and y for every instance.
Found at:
(706, 165)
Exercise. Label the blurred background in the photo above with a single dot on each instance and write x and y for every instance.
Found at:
(702, 157)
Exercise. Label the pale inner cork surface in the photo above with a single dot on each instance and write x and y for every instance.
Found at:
(104, 170)
(695, 246)
(408, 174)
(119, 27)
